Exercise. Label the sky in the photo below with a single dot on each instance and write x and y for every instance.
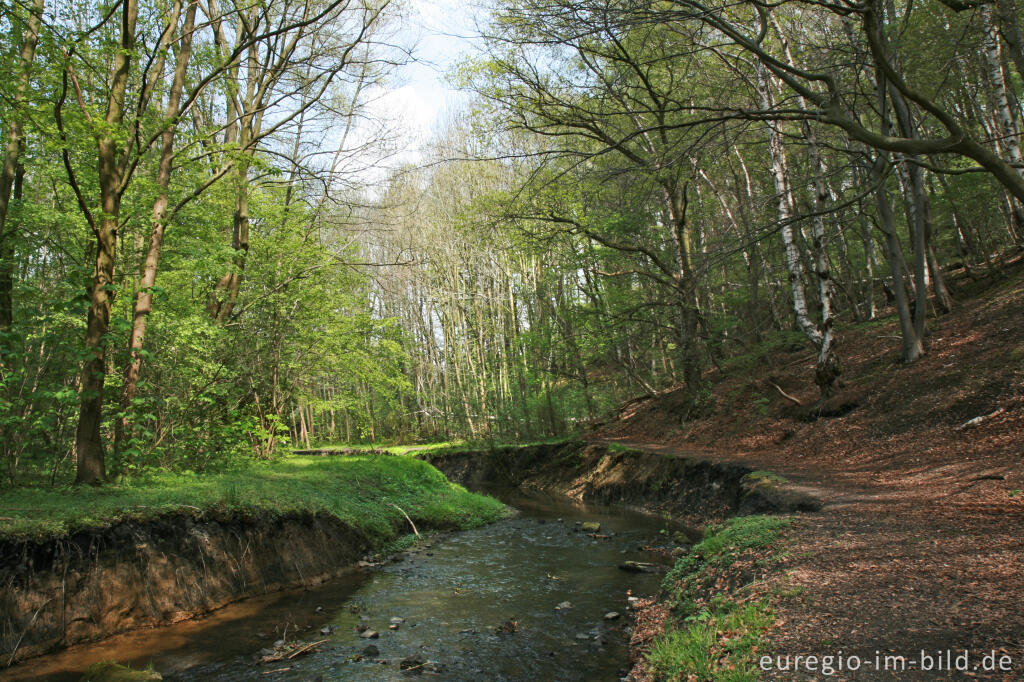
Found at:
(441, 32)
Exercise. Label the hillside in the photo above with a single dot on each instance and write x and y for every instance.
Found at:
(921, 542)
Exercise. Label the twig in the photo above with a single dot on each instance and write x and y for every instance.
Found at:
(784, 394)
(407, 518)
(305, 649)
(25, 631)
(279, 670)
(978, 420)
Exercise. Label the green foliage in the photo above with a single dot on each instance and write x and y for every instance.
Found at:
(360, 490)
(716, 637)
(697, 650)
(723, 543)
(757, 477)
(524, 295)
(750, 358)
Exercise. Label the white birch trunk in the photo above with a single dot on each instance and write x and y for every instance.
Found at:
(784, 199)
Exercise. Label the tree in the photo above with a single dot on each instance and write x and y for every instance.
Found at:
(12, 172)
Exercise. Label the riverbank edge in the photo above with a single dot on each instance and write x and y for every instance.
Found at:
(716, 602)
(92, 583)
(691, 488)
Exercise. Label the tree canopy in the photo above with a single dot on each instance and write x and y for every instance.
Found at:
(197, 263)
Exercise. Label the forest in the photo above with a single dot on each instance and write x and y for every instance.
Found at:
(206, 256)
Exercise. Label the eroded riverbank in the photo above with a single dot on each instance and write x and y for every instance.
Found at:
(478, 604)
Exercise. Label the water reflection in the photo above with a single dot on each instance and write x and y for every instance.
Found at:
(476, 605)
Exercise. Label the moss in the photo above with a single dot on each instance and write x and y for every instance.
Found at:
(759, 477)
(767, 492)
(109, 671)
(625, 449)
(717, 637)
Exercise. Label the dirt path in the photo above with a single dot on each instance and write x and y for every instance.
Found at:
(920, 544)
(884, 570)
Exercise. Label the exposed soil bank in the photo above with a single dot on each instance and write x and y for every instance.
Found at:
(691, 488)
(921, 544)
(94, 584)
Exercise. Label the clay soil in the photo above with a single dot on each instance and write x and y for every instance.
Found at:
(920, 545)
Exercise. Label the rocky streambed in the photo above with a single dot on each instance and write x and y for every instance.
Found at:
(543, 595)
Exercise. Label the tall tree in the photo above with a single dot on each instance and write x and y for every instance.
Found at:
(12, 168)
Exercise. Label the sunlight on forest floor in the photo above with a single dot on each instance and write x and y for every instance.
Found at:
(361, 490)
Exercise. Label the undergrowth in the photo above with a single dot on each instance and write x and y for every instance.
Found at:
(718, 612)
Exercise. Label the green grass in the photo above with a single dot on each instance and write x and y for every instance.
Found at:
(490, 447)
(393, 449)
(716, 638)
(698, 648)
(448, 447)
(619, 447)
(360, 490)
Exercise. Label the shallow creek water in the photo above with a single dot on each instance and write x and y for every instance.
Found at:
(454, 591)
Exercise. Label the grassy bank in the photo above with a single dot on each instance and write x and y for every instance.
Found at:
(364, 491)
(720, 604)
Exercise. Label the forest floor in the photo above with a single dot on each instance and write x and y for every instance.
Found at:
(920, 545)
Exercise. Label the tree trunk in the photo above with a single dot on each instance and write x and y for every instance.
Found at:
(144, 296)
(88, 439)
(9, 171)
(689, 309)
(827, 367)
(1007, 128)
(913, 347)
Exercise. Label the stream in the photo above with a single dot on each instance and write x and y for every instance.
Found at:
(475, 605)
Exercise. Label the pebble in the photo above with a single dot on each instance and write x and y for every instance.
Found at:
(396, 620)
(369, 634)
(563, 605)
(371, 650)
(611, 615)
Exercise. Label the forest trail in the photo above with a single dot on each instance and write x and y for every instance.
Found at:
(920, 543)
(894, 569)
